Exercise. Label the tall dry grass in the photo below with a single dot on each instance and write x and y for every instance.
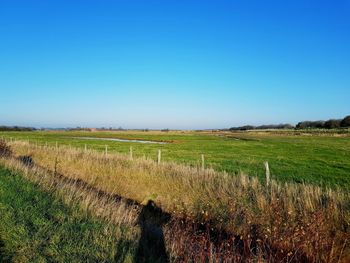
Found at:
(292, 221)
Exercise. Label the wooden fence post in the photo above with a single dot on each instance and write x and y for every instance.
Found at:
(106, 149)
(56, 145)
(85, 147)
(203, 164)
(159, 156)
(130, 152)
(267, 172)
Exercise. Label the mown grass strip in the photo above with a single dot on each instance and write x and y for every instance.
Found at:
(36, 226)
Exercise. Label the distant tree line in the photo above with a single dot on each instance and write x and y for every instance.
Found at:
(16, 128)
(330, 124)
(262, 127)
(77, 129)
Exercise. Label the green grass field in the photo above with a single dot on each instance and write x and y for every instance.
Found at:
(36, 226)
(63, 207)
(322, 159)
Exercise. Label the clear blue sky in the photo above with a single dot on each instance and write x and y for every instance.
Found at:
(173, 64)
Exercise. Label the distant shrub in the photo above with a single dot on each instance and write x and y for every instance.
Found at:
(16, 128)
(273, 126)
(310, 125)
(301, 125)
(345, 122)
(332, 124)
(247, 127)
(5, 150)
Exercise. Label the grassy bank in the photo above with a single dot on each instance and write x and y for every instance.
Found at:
(311, 157)
(37, 226)
(289, 217)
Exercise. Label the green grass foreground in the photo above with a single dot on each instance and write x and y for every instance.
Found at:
(36, 226)
(316, 157)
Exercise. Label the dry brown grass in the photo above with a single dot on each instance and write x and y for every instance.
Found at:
(290, 220)
(5, 150)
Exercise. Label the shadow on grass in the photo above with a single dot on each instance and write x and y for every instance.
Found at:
(151, 247)
(4, 257)
(125, 249)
